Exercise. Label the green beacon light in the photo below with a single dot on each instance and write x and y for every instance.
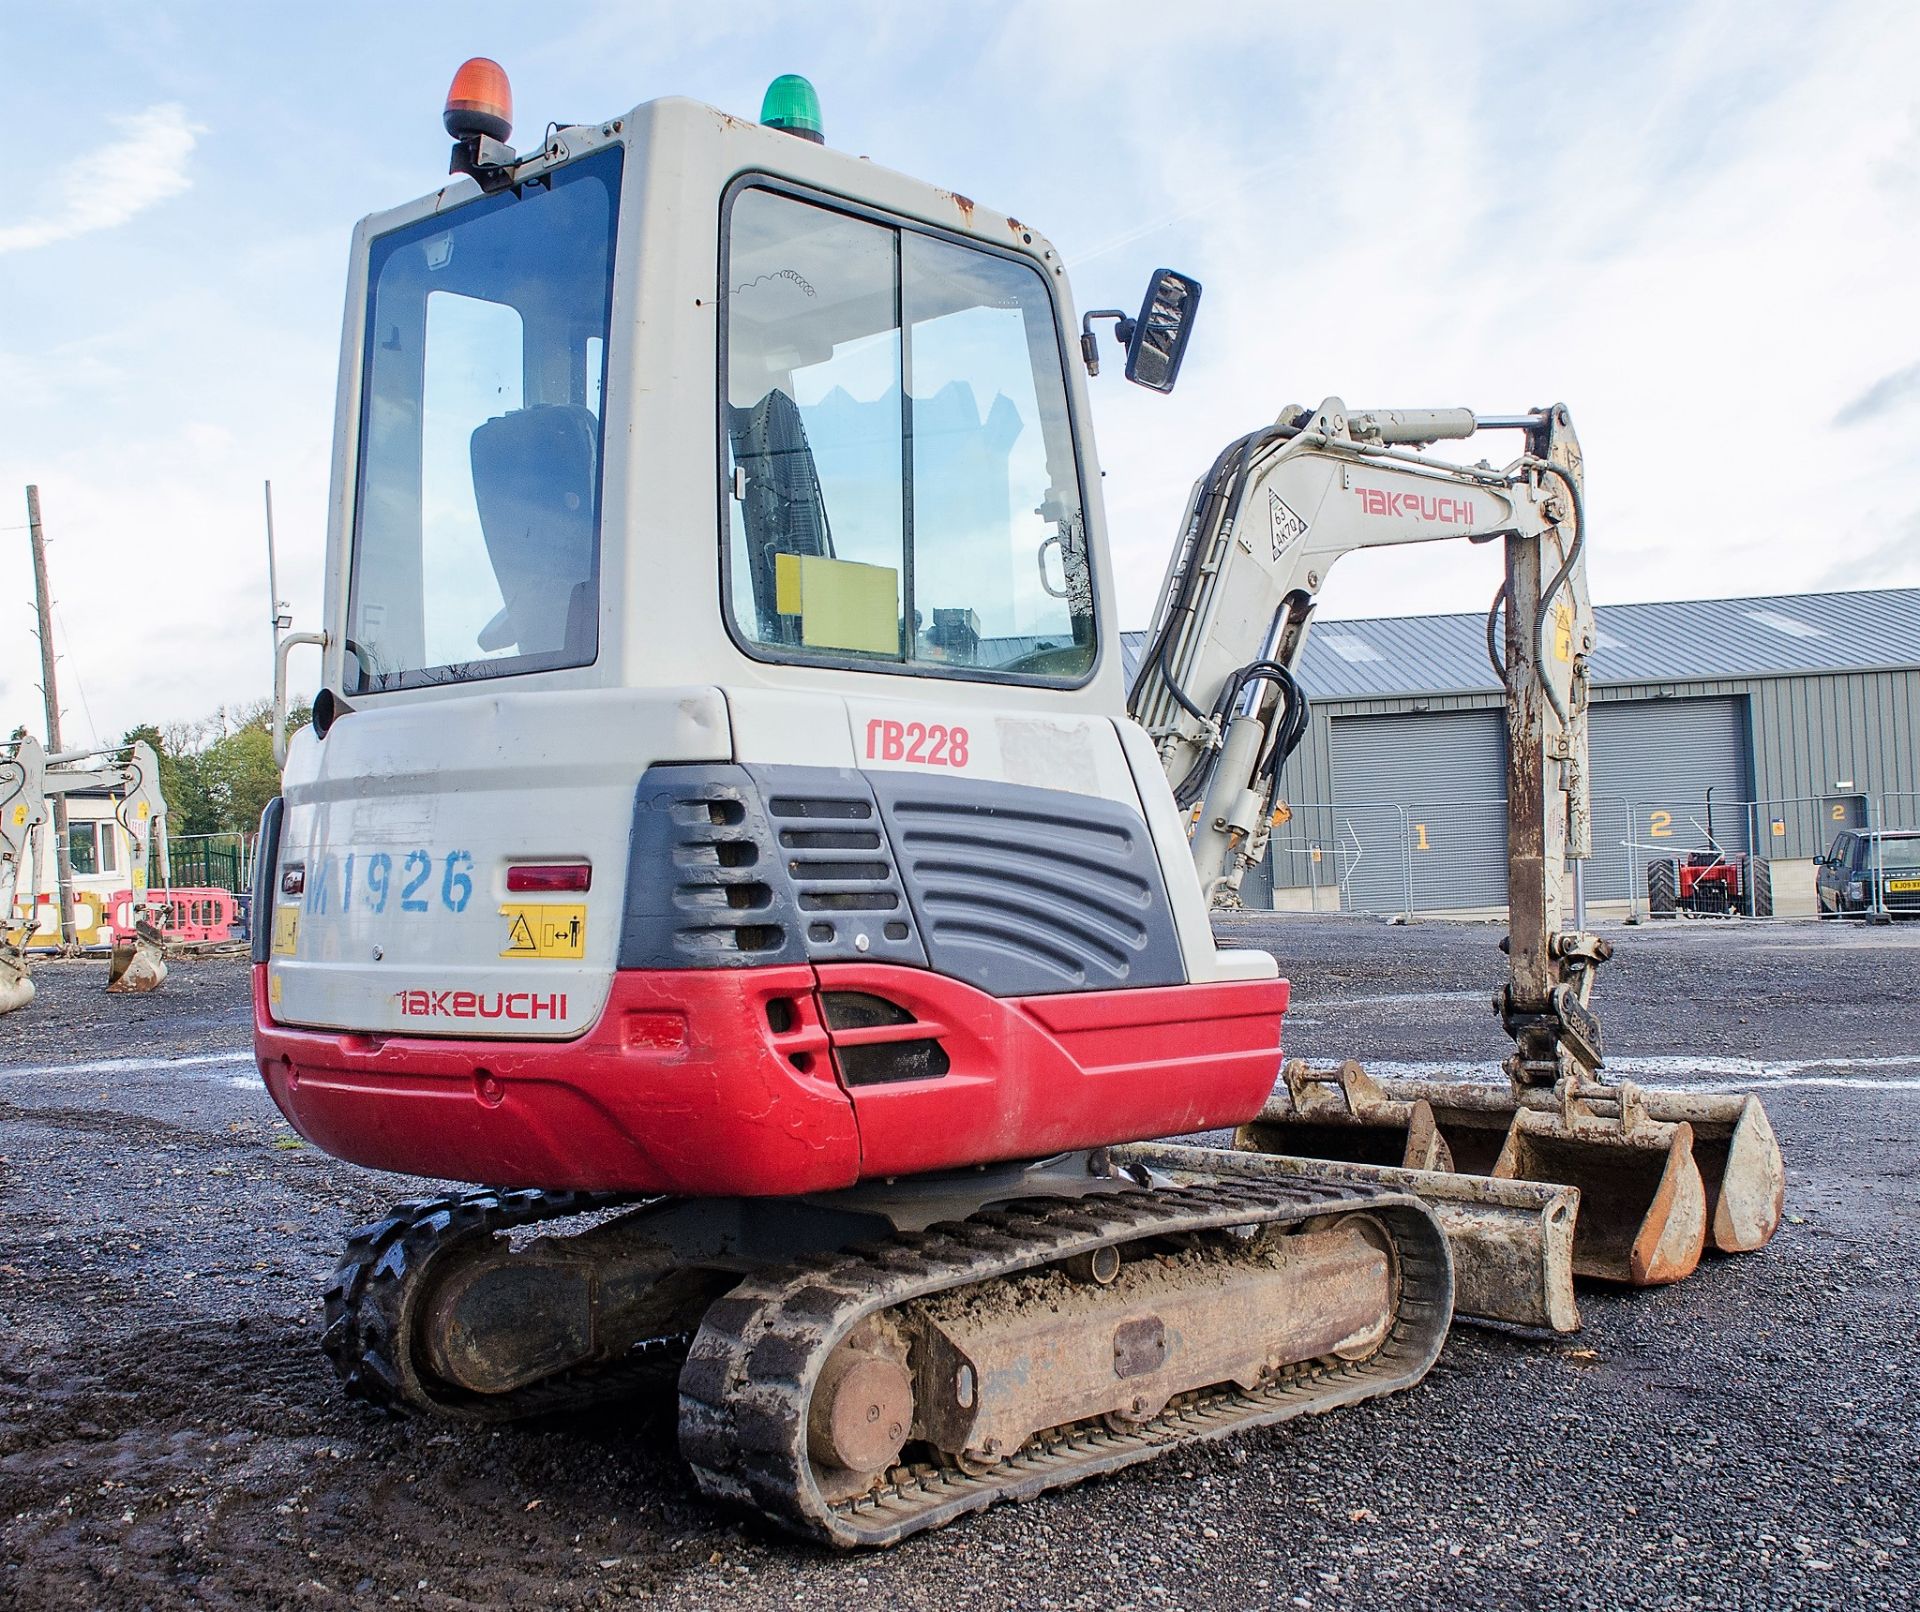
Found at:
(792, 107)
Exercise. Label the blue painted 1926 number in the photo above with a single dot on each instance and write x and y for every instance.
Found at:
(368, 882)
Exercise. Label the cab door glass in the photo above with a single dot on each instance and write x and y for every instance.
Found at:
(1000, 570)
(900, 477)
(812, 427)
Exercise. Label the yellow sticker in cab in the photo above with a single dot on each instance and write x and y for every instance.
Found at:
(286, 931)
(545, 929)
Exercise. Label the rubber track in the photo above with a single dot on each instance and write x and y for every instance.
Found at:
(377, 1278)
(746, 1383)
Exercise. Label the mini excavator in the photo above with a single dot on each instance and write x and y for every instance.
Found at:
(725, 840)
(29, 780)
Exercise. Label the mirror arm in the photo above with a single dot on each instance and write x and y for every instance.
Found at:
(292, 641)
(1090, 347)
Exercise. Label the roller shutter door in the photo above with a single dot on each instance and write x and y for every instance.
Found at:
(1447, 771)
(1653, 762)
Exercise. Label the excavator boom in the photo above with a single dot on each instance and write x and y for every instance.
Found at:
(1218, 691)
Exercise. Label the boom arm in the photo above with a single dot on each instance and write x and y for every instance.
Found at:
(1216, 686)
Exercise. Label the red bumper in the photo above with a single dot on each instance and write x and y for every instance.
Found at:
(726, 1082)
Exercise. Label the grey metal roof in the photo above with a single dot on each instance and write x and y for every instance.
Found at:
(1692, 640)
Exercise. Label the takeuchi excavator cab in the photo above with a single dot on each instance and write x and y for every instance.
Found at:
(719, 676)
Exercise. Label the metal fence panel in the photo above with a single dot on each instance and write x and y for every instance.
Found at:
(1456, 854)
(1660, 857)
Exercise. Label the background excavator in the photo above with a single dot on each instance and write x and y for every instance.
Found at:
(29, 780)
(724, 837)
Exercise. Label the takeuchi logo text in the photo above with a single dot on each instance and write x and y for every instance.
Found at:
(1450, 511)
(527, 1005)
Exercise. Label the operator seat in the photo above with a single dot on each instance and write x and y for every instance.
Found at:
(784, 510)
(535, 483)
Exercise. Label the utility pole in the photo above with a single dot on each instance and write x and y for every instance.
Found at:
(282, 619)
(50, 692)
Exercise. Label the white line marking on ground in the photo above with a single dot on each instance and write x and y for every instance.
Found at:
(1718, 1074)
(1401, 999)
(132, 1066)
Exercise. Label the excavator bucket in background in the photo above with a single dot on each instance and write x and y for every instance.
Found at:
(1662, 1175)
(138, 965)
(16, 988)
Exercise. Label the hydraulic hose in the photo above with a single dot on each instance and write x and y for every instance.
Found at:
(1574, 550)
(1217, 507)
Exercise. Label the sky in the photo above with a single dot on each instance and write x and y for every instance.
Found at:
(1696, 222)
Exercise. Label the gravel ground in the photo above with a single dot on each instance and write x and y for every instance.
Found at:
(169, 1434)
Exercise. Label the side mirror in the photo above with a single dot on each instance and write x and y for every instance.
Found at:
(1158, 340)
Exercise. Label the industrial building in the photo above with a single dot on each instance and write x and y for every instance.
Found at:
(1758, 727)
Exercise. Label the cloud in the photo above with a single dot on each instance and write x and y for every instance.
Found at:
(1887, 564)
(1885, 395)
(145, 166)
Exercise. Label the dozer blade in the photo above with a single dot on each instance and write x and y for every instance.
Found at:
(138, 965)
(1512, 1241)
(1661, 1174)
(16, 988)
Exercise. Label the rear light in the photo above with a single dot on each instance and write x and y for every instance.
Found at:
(547, 878)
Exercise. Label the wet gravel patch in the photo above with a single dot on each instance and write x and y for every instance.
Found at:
(170, 1436)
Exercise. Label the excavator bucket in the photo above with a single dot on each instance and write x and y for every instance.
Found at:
(1643, 1208)
(1661, 1175)
(138, 965)
(16, 988)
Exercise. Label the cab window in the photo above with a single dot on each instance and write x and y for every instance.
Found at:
(899, 476)
(476, 543)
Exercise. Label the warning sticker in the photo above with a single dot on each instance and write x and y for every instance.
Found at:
(20, 815)
(286, 931)
(1288, 527)
(545, 929)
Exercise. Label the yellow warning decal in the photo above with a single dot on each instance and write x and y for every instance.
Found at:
(273, 989)
(286, 931)
(20, 815)
(1563, 632)
(546, 929)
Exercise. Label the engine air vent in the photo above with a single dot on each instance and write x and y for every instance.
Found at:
(733, 866)
(837, 858)
(1025, 891)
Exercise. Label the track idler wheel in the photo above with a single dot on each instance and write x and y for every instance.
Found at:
(861, 1410)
